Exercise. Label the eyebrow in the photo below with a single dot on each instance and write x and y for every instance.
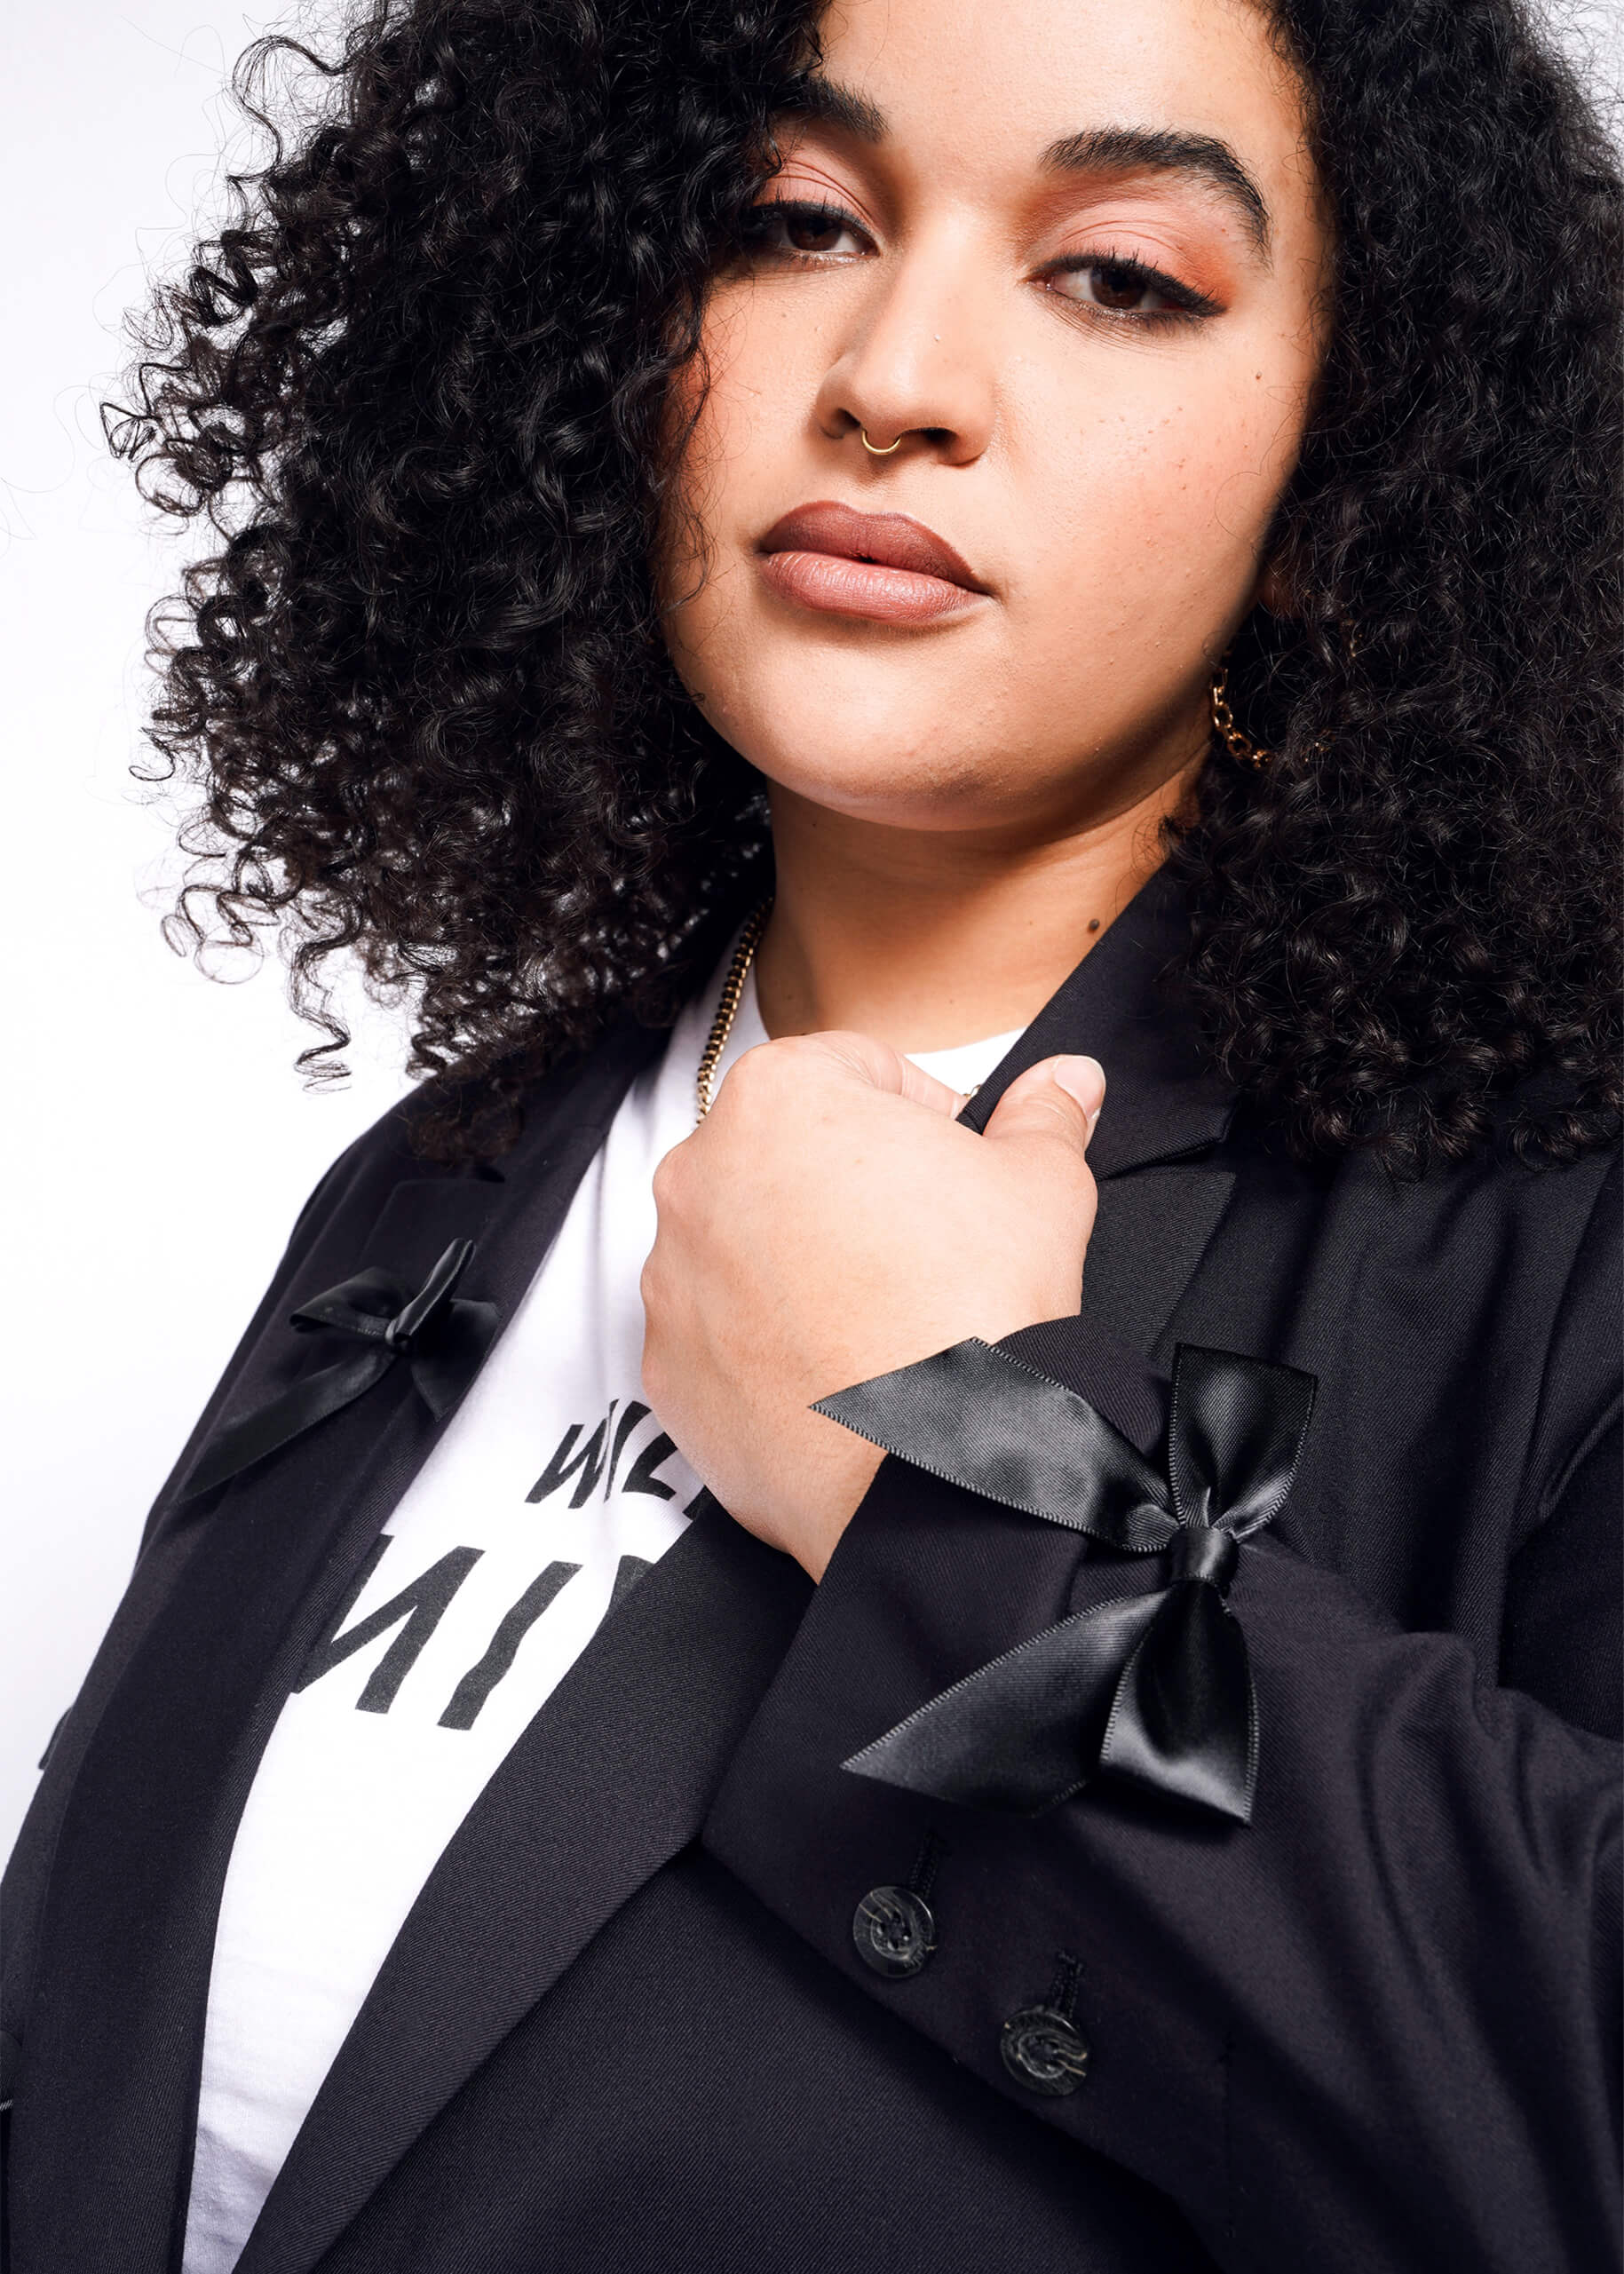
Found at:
(1149, 150)
(1101, 149)
(826, 103)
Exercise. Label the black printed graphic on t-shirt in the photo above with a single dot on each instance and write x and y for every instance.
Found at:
(589, 1464)
(588, 1461)
(422, 1605)
(476, 1684)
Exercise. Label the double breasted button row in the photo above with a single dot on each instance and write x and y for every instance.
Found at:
(1043, 2048)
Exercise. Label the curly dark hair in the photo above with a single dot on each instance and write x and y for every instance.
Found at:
(420, 386)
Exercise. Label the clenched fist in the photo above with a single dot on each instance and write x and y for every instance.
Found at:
(830, 1220)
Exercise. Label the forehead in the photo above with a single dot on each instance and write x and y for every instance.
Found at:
(980, 91)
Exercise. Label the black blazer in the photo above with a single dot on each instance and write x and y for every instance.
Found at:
(629, 2021)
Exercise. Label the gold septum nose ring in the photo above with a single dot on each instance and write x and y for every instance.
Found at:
(874, 449)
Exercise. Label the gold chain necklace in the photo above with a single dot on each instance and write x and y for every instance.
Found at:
(727, 1008)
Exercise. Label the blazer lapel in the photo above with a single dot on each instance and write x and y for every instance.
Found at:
(1163, 1102)
(1161, 1195)
(147, 1834)
(1150, 1235)
(612, 1778)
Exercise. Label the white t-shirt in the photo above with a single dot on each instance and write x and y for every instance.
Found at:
(552, 1491)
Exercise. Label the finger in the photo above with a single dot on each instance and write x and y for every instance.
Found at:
(881, 1067)
(1056, 1097)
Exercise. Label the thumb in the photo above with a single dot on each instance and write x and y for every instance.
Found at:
(1056, 1097)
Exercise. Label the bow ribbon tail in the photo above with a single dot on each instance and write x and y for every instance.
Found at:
(1021, 1734)
(1184, 1716)
(980, 1417)
(286, 1417)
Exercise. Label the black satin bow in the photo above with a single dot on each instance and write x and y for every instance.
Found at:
(1155, 1687)
(441, 1336)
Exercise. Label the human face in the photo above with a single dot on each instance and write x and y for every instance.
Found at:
(1070, 255)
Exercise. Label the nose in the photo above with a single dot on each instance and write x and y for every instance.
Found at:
(916, 363)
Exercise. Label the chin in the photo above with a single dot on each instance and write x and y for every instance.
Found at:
(880, 745)
(895, 787)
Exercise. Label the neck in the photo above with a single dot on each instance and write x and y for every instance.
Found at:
(925, 938)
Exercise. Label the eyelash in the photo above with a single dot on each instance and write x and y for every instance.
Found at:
(1125, 269)
(758, 219)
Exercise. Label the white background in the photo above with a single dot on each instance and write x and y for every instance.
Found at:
(157, 1143)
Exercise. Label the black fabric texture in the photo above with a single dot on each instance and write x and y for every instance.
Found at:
(749, 2113)
(1375, 2028)
(1379, 2021)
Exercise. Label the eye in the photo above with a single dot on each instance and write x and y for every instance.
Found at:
(1120, 287)
(792, 227)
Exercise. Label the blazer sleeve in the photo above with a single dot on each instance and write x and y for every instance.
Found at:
(1376, 2027)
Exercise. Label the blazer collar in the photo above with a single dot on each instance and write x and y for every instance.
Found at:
(1163, 1183)
(1164, 1103)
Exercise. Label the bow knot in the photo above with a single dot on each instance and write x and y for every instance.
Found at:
(441, 1336)
(1208, 1557)
(1156, 1687)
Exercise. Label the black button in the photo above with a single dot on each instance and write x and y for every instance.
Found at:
(1044, 2051)
(894, 1932)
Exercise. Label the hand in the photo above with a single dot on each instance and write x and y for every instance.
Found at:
(830, 1220)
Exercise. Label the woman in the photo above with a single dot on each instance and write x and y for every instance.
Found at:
(1007, 551)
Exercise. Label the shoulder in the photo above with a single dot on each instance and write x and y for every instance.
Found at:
(1500, 1191)
(1511, 1273)
(1485, 1293)
(1521, 1246)
(1563, 1202)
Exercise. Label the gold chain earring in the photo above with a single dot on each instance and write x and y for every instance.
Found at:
(1244, 751)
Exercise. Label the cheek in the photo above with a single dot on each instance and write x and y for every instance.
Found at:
(1161, 503)
(684, 538)
(738, 399)
(723, 406)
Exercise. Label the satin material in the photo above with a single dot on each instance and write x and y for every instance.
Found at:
(441, 1336)
(1155, 1688)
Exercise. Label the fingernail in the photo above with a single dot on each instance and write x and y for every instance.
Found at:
(1083, 1079)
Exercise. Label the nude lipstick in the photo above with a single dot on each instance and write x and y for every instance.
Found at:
(885, 567)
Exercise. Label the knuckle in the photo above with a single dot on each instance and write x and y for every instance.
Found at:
(748, 1080)
(667, 1179)
(770, 1063)
(744, 1073)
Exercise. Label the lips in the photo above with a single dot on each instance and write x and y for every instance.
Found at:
(884, 567)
